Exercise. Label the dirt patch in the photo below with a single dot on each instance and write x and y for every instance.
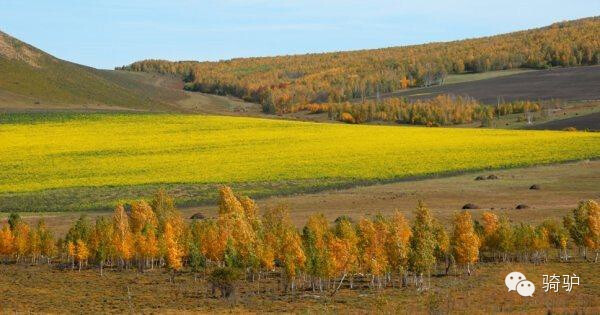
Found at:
(14, 49)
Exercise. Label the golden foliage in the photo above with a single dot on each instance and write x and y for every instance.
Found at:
(122, 237)
(397, 242)
(280, 83)
(6, 241)
(464, 239)
(174, 250)
(372, 244)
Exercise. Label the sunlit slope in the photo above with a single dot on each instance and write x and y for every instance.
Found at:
(100, 150)
(37, 79)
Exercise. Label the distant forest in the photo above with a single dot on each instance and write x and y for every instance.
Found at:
(282, 83)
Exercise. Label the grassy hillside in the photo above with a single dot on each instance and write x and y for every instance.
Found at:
(32, 77)
(84, 155)
(280, 83)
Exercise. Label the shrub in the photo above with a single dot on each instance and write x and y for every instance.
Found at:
(347, 118)
(224, 279)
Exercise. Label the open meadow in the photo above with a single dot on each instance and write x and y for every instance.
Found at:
(46, 157)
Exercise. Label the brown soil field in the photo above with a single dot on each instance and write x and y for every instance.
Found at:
(586, 122)
(575, 83)
(48, 289)
(562, 187)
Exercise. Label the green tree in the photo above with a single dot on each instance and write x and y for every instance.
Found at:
(101, 244)
(422, 244)
(13, 220)
(315, 239)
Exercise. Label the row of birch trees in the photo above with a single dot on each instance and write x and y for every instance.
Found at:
(378, 251)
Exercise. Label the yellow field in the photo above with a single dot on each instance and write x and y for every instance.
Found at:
(101, 150)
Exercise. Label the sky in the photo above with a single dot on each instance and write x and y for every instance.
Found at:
(110, 33)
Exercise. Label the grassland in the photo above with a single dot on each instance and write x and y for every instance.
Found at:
(562, 187)
(33, 79)
(66, 291)
(78, 153)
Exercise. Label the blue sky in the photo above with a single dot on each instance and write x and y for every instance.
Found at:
(111, 33)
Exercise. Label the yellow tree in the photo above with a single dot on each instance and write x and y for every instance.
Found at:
(81, 253)
(315, 238)
(397, 244)
(174, 250)
(237, 222)
(465, 242)
(122, 237)
(142, 215)
(47, 243)
(372, 247)
(6, 241)
(143, 227)
(266, 255)
(541, 242)
(34, 245)
(283, 238)
(343, 247)
(213, 240)
(491, 224)
(71, 252)
(251, 211)
(292, 255)
(21, 239)
(592, 237)
(579, 223)
(149, 244)
(228, 202)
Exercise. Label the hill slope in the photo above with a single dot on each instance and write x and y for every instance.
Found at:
(32, 78)
(281, 83)
(567, 84)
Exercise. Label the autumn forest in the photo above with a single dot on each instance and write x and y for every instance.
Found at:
(286, 83)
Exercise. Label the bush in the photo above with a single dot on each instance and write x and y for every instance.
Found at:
(347, 118)
(224, 279)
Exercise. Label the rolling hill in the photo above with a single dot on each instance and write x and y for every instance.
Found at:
(282, 83)
(33, 79)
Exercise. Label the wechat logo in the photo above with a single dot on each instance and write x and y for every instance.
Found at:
(516, 281)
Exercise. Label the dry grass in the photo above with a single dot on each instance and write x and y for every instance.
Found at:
(50, 290)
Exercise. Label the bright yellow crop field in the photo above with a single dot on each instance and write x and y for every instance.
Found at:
(108, 150)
